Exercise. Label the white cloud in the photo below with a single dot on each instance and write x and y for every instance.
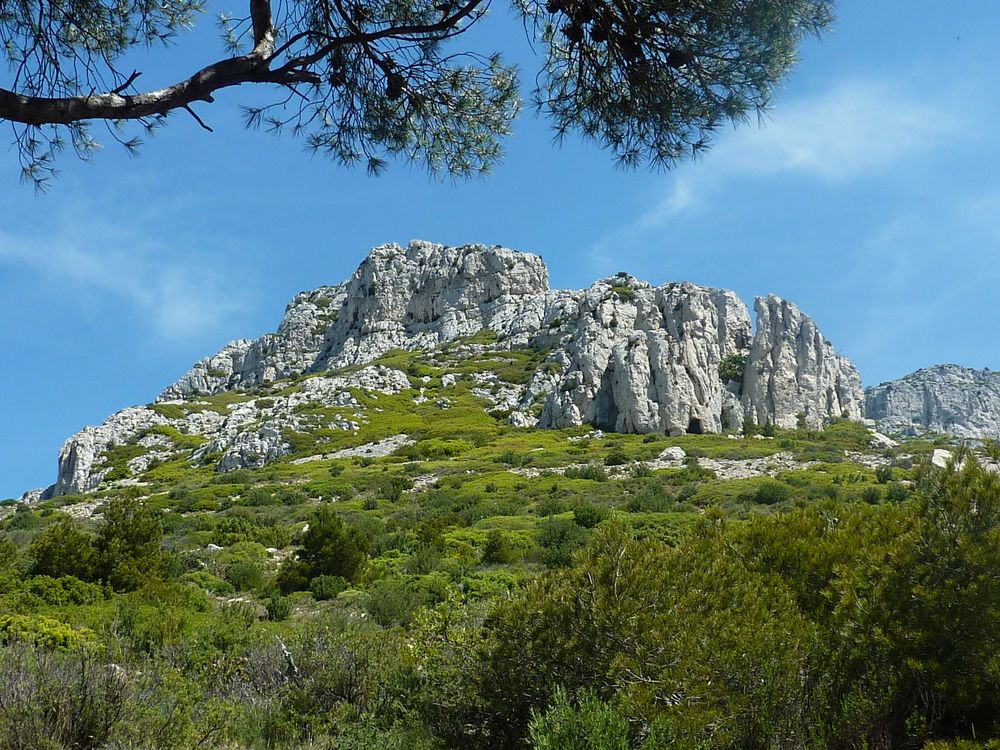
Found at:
(180, 298)
(854, 129)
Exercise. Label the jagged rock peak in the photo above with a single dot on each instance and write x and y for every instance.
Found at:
(408, 298)
(633, 358)
(944, 398)
(425, 294)
(793, 370)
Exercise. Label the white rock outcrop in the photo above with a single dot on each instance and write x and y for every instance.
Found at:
(793, 370)
(425, 294)
(80, 458)
(408, 298)
(632, 358)
(945, 398)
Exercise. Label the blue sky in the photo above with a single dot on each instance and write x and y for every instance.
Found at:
(871, 198)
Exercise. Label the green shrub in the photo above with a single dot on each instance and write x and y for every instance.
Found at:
(259, 497)
(623, 291)
(63, 549)
(770, 492)
(208, 582)
(510, 458)
(329, 547)
(392, 601)
(128, 545)
(896, 492)
(871, 495)
(559, 539)
(653, 500)
(551, 506)
(642, 470)
(244, 575)
(499, 550)
(43, 632)
(278, 607)
(588, 515)
(731, 368)
(616, 457)
(883, 474)
(63, 591)
(327, 587)
(393, 487)
(583, 724)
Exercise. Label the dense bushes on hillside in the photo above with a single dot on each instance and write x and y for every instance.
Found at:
(515, 595)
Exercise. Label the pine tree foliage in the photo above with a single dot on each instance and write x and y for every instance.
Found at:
(368, 81)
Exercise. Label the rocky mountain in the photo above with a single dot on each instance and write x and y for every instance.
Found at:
(945, 398)
(620, 355)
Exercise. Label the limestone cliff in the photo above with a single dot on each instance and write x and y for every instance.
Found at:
(944, 398)
(793, 370)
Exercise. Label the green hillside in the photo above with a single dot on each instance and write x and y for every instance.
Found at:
(437, 578)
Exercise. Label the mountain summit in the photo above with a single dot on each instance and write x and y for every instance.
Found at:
(621, 355)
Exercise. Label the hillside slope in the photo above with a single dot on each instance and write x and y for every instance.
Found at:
(621, 356)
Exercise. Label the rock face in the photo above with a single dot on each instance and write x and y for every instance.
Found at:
(620, 355)
(944, 398)
(250, 433)
(405, 298)
(631, 358)
(80, 469)
(426, 294)
(293, 349)
(793, 370)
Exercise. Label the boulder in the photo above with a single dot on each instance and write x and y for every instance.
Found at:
(674, 453)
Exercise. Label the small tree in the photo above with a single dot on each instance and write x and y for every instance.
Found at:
(731, 368)
(498, 549)
(63, 549)
(330, 547)
(128, 545)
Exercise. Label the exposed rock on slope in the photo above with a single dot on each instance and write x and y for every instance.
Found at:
(80, 469)
(944, 398)
(426, 294)
(620, 355)
(243, 434)
(294, 348)
(406, 298)
(793, 370)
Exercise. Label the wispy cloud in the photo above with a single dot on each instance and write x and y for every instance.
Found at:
(854, 129)
(180, 297)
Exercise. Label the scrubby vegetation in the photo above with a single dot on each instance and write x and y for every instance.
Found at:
(492, 587)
